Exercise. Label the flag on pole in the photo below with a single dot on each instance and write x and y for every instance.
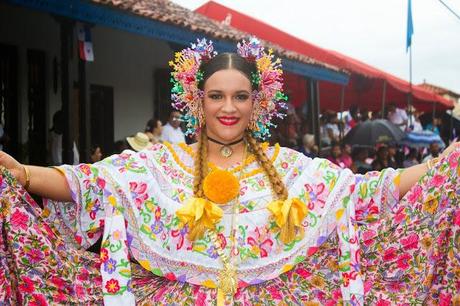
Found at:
(85, 45)
(410, 25)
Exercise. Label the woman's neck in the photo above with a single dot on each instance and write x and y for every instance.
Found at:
(215, 156)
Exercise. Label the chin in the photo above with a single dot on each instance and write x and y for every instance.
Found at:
(227, 135)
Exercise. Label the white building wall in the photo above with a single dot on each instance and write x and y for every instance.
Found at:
(127, 62)
(123, 60)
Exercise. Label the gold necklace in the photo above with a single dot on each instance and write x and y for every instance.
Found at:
(228, 276)
(226, 149)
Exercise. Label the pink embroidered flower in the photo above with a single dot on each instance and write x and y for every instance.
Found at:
(411, 242)
(35, 255)
(389, 254)
(38, 300)
(112, 286)
(368, 237)
(138, 193)
(80, 291)
(60, 297)
(58, 282)
(27, 286)
(382, 302)
(19, 219)
(85, 169)
(453, 159)
(303, 272)
(457, 217)
(100, 183)
(445, 299)
(261, 243)
(437, 180)
(414, 194)
(274, 292)
(403, 261)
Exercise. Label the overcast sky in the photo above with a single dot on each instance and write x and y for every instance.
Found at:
(371, 31)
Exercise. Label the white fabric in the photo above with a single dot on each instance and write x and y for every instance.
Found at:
(398, 117)
(172, 135)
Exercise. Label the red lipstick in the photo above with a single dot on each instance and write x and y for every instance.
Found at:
(228, 121)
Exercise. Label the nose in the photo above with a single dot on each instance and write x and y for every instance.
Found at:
(229, 105)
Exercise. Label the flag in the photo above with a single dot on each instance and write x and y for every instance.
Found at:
(85, 45)
(410, 25)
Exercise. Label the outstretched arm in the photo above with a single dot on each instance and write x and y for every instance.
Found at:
(45, 182)
(410, 176)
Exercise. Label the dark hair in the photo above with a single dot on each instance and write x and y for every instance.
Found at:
(151, 124)
(227, 61)
(93, 149)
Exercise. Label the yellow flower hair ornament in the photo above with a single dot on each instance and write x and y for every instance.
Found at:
(200, 215)
(288, 215)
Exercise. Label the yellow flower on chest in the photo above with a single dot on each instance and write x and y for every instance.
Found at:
(221, 186)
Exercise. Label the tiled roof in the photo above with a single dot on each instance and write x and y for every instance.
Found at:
(439, 90)
(172, 13)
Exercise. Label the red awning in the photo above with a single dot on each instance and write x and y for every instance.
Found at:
(366, 82)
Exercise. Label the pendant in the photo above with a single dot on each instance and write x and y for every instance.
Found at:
(228, 281)
(226, 151)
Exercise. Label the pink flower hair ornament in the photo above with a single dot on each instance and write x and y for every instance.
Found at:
(269, 99)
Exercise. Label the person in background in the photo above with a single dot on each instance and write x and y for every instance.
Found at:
(360, 165)
(346, 155)
(95, 154)
(153, 130)
(139, 142)
(393, 160)
(172, 131)
(55, 138)
(308, 147)
(398, 116)
(411, 159)
(332, 127)
(433, 126)
(120, 146)
(382, 161)
(414, 119)
(336, 154)
(434, 152)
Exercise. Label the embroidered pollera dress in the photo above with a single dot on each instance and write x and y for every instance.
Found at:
(360, 245)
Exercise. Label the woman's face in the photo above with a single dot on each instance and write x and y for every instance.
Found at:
(158, 128)
(227, 105)
(97, 155)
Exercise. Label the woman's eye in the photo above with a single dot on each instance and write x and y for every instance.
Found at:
(215, 96)
(242, 97)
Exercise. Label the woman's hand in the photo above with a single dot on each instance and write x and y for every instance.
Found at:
(15, 167)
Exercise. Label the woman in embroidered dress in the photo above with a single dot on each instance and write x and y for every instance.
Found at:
(273, 228)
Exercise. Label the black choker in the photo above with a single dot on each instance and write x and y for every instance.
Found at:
(226, 150)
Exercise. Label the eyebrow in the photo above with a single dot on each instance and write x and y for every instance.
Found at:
(220, 91)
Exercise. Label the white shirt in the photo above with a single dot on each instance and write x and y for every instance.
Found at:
(172, 135)
(397, 117)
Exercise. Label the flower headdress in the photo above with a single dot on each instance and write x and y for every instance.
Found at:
(269, 99)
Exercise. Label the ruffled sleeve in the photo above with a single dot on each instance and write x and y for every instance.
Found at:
(375, 194)
(92, 188)
(79, 221)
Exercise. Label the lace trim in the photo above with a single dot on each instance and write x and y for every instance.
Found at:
(249, 160)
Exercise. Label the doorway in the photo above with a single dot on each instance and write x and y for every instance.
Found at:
(101, 117)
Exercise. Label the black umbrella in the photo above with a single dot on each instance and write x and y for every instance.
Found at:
(371, 132)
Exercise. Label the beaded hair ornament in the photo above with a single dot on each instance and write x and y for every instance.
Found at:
(269, 99)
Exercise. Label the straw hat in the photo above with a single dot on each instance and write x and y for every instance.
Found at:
(139, 142)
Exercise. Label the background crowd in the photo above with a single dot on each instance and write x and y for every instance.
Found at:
(293, 133)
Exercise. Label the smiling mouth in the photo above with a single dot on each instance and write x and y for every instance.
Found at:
(228, 121)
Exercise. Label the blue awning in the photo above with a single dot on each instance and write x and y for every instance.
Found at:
(110, 17)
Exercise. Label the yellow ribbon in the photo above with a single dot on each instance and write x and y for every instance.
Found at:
(288, 215)
(200, 215)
